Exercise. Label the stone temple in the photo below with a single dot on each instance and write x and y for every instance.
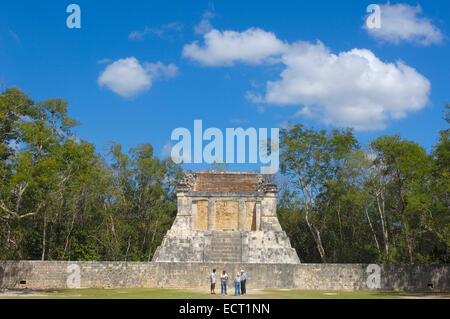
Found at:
(226, 217)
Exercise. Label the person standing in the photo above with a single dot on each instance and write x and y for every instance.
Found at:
(224, 282)
(237, 284)
(213, 281)
(243, 282)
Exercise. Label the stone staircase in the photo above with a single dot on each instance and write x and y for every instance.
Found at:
(226, 246)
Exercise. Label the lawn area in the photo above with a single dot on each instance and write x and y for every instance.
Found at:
(159, 293)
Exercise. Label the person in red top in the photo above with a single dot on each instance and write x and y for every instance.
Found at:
(224, 281)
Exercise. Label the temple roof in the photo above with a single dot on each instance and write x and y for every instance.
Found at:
(215, 181)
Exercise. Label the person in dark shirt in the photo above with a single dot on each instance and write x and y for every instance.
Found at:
(243, 282)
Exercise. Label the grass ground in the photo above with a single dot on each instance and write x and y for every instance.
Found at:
(204, 294)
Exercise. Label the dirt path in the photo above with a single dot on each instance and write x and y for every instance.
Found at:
(21, 293)
(440, 296)
(251, 293)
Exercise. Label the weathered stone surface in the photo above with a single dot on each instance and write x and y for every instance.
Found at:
(250, 216)
(227, 215)
(202, 215)
(54, 274)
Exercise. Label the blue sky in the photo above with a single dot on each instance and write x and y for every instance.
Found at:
(257, 75)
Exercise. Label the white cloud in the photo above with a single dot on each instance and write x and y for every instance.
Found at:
(402, 22)
(238, 121)
(15, 37)
(205, 25)
(104, 61)
(353, 88)
(260, 109)
(139, 35)
(253, 46)
(127, 77)
(160, 70)
(159, 31)
(255, 98)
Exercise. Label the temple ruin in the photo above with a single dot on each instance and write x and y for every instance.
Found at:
(226, 217)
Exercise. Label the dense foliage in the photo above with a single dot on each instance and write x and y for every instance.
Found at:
(339, 202)
(387, 203)
(59, 199)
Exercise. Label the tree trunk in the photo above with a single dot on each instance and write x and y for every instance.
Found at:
(380, 203)
(44, 236)
(68, 236)
(373, 231)
(153, 238)
(316, 235)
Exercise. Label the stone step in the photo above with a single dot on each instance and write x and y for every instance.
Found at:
(224, 251)
(217, 245)
(215, 254)
(222, 243)
(213, 245)
(225, 238)
(213, 240)
(225, 255)
(226, 234)
(226, 246)
(234, 256)
(224, 259)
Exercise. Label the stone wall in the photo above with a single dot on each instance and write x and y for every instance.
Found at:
(54, 275)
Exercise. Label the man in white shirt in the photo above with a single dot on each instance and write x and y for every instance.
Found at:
(213, 281)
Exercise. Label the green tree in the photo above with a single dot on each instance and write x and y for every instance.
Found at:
(405, 170)
(311, 159)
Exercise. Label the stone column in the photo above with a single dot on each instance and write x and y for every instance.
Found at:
(194, 218)
(211, 214)
(183, 218)
(241, 215)
(269, 220)
(258, 215)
